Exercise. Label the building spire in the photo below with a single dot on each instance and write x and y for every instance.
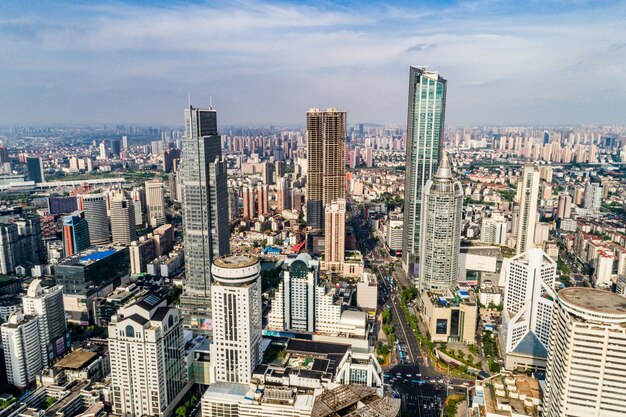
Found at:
(444, 170)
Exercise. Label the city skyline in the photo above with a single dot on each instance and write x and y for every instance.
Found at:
(507, 64)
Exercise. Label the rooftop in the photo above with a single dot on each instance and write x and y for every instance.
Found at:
(594, 300)
(76, 359)
(235, 261)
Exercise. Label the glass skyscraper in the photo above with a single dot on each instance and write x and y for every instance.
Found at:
(424, 144)
(205, 213)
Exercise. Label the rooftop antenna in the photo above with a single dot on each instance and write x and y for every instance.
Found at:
(210, 102)
(189, 99)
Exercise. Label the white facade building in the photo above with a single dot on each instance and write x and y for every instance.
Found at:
(146, 347)
(236, 301)
(393, 235)
(367, 291)
(527, 195)
(586, 372)
(24, 354)
(48, 304)
(294, 300)
(529, 280)
(494, 229)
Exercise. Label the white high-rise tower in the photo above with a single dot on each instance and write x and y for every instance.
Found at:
(527, 195)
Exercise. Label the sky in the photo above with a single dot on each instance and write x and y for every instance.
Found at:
(538, 62)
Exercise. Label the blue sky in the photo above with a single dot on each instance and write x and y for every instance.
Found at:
(536, 62)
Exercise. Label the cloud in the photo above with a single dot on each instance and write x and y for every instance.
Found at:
(267, 62)
(420, 47)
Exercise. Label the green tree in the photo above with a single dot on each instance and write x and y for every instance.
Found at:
(47, 403)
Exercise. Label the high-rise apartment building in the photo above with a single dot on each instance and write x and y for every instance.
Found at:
(494, 229)
(233, 203)
(334, 235)
(236, 301)
(205, 212)
(442, 212)
(564, 210)
(262, 199)
(141, 252)
(95, 208)
(147, 352)
(424, 145)
(24, 354)
(593, 195)
(586, 362)
(47, 304)
(527, 196)
(155, 201)
(283, 198)
(249, 204)
(35, 170)
(326, 162)
(529, 280)
(293, 305)
(122, 219)
(75, 233)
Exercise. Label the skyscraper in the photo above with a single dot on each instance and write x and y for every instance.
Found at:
(528, 298)
(335, 235)
(236, 299)
(527, 196)
(24, 354)
(147, 351)
(95, 208)
(122, 219)
(205, 213)
(424, 144)
(586, 362)
(35, 170)
(442, 213)
(75, 233)
(282, 195)
(47, 304)
(262, 200)
(248, 202)
(155, 200)
(326, 136)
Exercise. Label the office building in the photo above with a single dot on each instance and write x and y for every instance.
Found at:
(35, 170)
(442, 213)
(147, 353)
(450, 316)
(91, 273)
(367, 292)
(95, 208)
(325, 136)
(141, 252)
(104, 151)
(393, 233)
(236, 301)
(47, 304)
(267, 173)
(586, 362)
(293, 305)
(60, 205)
(123, 227)
(75, 233)
(424, 145)
(494, 229)
(527, 196)
(205, 212)
(21, 245)
(155, 201)
(24, 353)
(529, 280)
(514, 395)
(334, 236)
(116, 147)
(163, 238)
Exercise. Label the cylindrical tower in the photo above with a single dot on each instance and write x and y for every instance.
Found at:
(586, 363)
(236, 301)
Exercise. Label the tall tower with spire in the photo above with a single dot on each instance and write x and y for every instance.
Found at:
(442, 211)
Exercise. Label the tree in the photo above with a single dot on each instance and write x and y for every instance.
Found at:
(181, 411)
(48, 402)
